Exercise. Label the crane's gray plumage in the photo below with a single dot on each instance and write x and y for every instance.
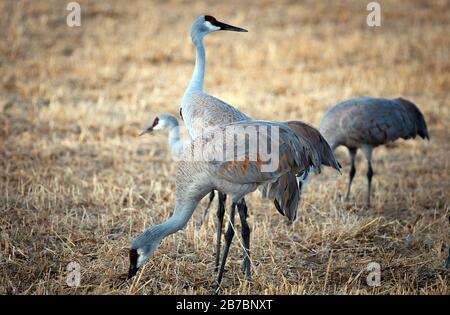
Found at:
(196, 177)
(201, 111)
(366, 123)
(372, 121)
(325, 152)
(286, 189)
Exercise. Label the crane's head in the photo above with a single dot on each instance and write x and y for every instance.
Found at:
(162, 121)
(141, 249)
(206, 24)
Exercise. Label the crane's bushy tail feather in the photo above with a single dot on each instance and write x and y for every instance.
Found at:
(417, 116)
(323, 149)
(286, 192)
(286, 195)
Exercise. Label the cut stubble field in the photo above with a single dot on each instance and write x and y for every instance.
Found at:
(78, 184)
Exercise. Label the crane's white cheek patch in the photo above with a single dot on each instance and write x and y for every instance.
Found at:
(210, 27)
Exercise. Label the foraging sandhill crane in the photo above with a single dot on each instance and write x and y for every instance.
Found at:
(177, 146)
(284, 189)
(365, 123)
(197, 177)
(201, 111)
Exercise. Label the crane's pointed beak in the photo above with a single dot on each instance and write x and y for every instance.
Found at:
(147, 130)
(227, 27)
(133, 269)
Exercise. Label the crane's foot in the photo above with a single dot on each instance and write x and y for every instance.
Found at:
(217, 288)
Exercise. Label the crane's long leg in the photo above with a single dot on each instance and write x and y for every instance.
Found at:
(243, 214)
(219, 227)
(447, 261)
(368, 153)
(205, 212)
(352, 172)
(228, 238)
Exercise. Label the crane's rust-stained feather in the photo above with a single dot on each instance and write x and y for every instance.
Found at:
(285, 191)
(318, 142)
(206, 112)
(292, 155)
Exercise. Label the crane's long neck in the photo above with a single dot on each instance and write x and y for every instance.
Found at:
(176, 222)
(198, 77)
(152, 236)
(176, 143)
(174, 134)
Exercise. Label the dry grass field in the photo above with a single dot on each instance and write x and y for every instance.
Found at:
(78, 184)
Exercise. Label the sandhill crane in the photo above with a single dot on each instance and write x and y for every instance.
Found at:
(238, 177)
(201, 111)
(177, 146)
(169, 122)
(365, 123)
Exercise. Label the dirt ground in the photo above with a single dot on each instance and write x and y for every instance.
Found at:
(78, 184)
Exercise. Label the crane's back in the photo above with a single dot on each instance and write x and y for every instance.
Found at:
(202, 111)
(372, 121)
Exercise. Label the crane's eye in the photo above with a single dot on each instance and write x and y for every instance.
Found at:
(156, 121)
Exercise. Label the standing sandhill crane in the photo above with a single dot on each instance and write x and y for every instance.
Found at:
(169, 122)
(201, 111)
(237, 177)
(177, 146)
(365, 123)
